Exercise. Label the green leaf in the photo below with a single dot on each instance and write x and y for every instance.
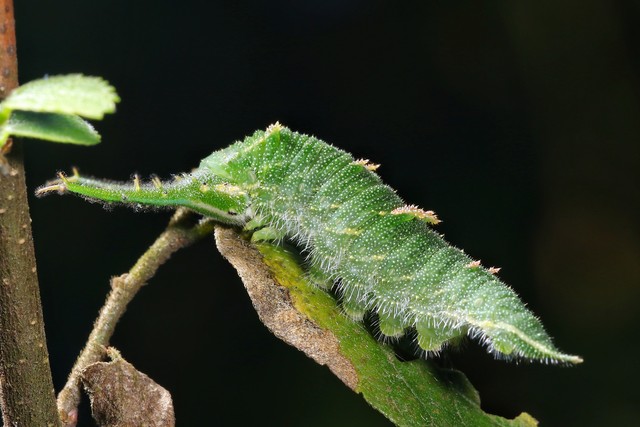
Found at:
(416, 393)
(51, 127)
(90, 97)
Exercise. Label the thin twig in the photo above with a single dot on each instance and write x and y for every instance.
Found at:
(179, 234)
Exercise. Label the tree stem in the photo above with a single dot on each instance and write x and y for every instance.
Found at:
(179, 234)
(26, 389)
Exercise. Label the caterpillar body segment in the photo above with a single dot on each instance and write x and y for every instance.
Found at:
(357, 232)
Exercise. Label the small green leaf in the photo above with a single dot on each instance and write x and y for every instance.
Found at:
(90, 97)
(50, 127)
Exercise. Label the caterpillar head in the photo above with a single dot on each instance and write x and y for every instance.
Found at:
(201, 191)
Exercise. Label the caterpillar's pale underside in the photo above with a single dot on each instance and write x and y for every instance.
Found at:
(381, 255)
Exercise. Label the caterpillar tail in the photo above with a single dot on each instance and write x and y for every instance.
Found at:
(199, 191)
(504, 340)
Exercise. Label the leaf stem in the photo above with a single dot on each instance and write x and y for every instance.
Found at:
(180, 233)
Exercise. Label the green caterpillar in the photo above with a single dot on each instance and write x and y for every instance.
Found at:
(381, 254)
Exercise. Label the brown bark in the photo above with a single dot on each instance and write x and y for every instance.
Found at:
(26, 389)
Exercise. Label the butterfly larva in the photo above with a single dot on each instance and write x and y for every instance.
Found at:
(357, 233)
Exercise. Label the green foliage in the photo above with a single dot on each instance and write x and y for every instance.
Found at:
(50, 109)
(86, 96)
(416, 393)
(63, 128)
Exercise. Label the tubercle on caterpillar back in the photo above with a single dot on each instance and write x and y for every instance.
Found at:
(429, 217)
(366, 163)
(290, 179)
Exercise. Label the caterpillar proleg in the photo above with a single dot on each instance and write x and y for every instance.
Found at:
(381, 254)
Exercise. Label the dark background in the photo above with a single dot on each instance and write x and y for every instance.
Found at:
(517, 122)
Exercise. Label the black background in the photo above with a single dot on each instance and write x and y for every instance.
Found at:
(517, 122)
